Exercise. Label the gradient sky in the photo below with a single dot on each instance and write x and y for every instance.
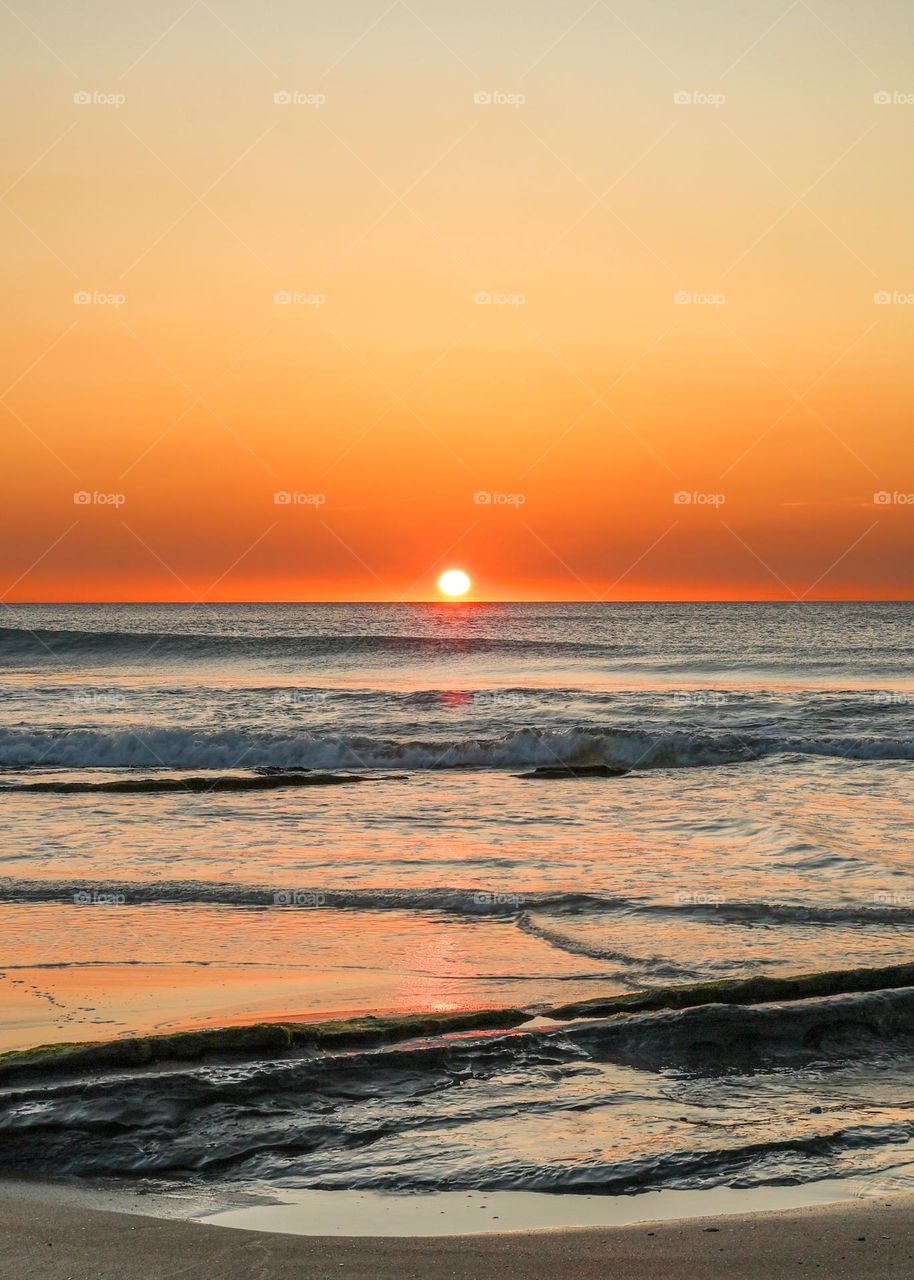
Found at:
(777, 198)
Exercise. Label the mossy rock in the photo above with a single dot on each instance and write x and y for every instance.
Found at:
(569, 772)
(245, 1041)
(761, 990)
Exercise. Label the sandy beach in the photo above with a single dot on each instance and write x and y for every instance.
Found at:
(862, 1240)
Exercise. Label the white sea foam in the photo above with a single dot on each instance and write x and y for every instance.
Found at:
(177, 748)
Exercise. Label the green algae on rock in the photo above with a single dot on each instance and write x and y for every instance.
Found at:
(278, 1037)
(758, 990)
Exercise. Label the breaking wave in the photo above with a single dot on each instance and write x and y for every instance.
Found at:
(181, 748)
(527, 908)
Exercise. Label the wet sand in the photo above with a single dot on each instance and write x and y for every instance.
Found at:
(105, 1002)
(858, 1240)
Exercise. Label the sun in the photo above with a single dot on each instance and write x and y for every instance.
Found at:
(454, 582)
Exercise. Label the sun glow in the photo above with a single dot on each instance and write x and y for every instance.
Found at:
(454, 582)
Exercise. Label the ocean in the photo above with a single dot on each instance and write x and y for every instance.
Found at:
(237, 814)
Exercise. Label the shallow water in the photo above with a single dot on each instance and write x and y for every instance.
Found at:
(765, 828)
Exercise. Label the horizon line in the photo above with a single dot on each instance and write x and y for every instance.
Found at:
(451, 603)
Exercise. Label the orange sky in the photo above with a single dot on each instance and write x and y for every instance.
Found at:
(579, 195)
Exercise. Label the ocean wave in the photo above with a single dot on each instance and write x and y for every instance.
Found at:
(47, 646)
(261, 1118)
(452, 901)
(543, 913)
(724, 1036)
(647, 969)
(786, 1161)
(154, 747)
(41, 644)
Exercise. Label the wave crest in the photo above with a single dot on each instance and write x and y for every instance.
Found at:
(178, 748)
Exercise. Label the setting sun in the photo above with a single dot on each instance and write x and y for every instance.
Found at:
(454, 582)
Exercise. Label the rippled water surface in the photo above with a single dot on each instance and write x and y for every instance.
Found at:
(764, 828)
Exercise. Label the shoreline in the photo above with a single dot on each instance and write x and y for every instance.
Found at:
(48, 1236)
(303, 1211)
